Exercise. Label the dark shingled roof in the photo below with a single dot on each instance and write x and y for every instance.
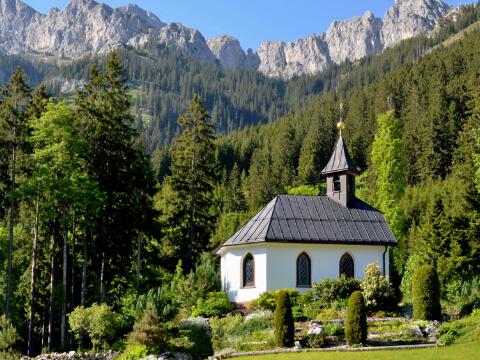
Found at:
(340, 160)
(315, 219)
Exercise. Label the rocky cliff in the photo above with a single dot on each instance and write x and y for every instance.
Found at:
(86, 26)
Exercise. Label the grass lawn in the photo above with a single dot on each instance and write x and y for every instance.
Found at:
(468, 351)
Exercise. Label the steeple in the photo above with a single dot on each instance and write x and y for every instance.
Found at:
(340, 173)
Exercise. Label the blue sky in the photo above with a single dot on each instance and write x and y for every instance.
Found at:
(250, 21)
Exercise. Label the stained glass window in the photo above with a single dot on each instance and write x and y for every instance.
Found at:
(303, 270)
(346, 266)
(249, 271)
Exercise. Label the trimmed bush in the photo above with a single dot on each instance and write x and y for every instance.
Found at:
(283, 321)
(426, 294)
(216, 304)
(356, 324)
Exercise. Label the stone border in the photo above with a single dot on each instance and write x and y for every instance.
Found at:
(333, 349)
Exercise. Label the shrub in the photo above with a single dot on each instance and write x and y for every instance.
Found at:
(328, 291)
(464, 294)
(221, 328)
(268, 299)
(253, 323)
(356, 323)
(8, 334)
(198, 338)
(133, 352)
(283, 321)
(413, 263)
(216, 304)
(149, 331)
(426, 294)
(98, 321)
(316, 340)
(377, 289)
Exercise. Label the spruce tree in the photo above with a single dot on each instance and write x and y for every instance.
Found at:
(15, 112)
(189, 222)
(119, 166)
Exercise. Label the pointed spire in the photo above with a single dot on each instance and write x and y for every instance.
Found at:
(340, 160)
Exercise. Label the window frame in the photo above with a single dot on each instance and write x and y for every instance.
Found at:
(336, 183)
(246, 258)
(309, 269)
(341, 267)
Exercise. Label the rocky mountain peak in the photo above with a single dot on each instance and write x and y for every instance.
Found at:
(87, 26)
(409, 18)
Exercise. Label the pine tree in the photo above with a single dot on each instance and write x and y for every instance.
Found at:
(189, 222)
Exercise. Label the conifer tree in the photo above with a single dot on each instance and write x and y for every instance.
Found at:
(15, 112)
(119, 166)
(388, 163)
(189, 223)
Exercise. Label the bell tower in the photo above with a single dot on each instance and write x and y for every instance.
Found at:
(340, 173)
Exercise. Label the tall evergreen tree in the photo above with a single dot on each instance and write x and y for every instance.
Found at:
(15, 112)
(119, 166)
(189, 223)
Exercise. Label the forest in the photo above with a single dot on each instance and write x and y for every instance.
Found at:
(103, 211)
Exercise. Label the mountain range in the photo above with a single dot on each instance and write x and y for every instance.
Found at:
(88, 27)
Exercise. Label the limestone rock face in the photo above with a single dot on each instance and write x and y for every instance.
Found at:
(86, 26)
(286, 60)
(355, 38)
(409, 18)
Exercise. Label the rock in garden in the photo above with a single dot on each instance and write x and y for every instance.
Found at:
(415, 331)
(432, 329)
(316, 330)
(298, 346)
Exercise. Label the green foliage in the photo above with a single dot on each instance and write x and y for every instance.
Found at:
(253, 322)
(149, 331)
(216, 304)
(376, 289)
(8, 334)
(388, 168)
(304, 190)
(222, 328)
(426, 294)
(189, 223)
(356, 323)
(133, 352)
(414, 261)
(268, 299)
(283, 321)
(98, 321)
(464, 294)
(316, 340)
(327, 291)
(463, 330)
(197, 337)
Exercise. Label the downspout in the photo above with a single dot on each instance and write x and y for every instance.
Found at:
(384, 253)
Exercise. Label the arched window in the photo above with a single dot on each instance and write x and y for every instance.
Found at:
(346, 266)
(336, 183)
(248, 271)
(304, 272)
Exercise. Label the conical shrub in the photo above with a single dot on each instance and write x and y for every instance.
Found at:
(426, 294)
(356, 324)
(283, 321)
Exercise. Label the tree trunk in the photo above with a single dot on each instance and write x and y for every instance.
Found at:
(50, 306)
(102, 280)
(139, 264)
(11, 227)
(32, 281)
(84, 269)
(72, 286)
(63, 326)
